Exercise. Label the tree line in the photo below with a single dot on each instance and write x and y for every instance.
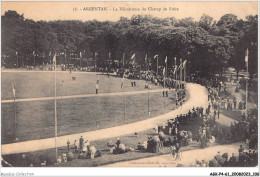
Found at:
(208, 45)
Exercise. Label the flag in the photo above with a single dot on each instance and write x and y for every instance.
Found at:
(49, 53)
(33, 53)
(155, 56)
(54, 59)
(145, 58)
(80, 54)
(96, 54)
(13, 90)
(109, 54)
(164, 71)
(175, 69)
(165, 59)
(133, 56)
(184, 63)
(246, 58)
(179, 66)
(16, 52)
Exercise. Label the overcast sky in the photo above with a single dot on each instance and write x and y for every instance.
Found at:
(64, 10)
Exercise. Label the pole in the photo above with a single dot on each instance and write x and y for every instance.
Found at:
(124, 62)
(95, 63)
(148, 104)
(166, 67)
(33, 59)
(180, 71)
(246, 93)
(148, 99)
(14, 119)
(175, 74)
(17, 60)
(124, 103)
(184, 72)
(247, 53)
(157, 64)
(174, 61)
(124, 86)
(80, 61)
(65, 57)
(55, 113)
(60, 101)
(146, 61)
(164, 89)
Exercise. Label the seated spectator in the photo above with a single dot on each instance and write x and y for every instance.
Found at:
(59, 160)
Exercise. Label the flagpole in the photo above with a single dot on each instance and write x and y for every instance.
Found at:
(50, 59)
(180, 72)
(175, 74)
(33, 59)
(17, 60)
(80, 59)
(174, 61)
(146, 62)
(166, 66)
(60, 103)
(164, 88)
(124, 62)
(148, 99)
(124, 99)
(184, 70)
(14, 118)
(95, 62)
(247, 53)
(124, 86)
(157, 63)
(55, 112)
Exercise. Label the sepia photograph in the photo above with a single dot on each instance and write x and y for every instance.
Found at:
(129, 84)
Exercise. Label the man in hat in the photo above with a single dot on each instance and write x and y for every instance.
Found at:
(218, 113)
(81, 140)
(68, 145)
(235, 102)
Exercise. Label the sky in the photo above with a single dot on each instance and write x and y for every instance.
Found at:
(43, 10)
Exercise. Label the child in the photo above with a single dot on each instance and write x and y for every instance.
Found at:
(173, 151)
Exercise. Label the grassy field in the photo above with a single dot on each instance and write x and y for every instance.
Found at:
(35, 119)
(41, 84)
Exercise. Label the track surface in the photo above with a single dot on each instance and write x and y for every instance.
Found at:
(82, 96)
(188, 158)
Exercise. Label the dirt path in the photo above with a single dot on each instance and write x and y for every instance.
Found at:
(188, 158)
(82, 96)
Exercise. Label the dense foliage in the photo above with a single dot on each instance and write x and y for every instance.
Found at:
(208, 45)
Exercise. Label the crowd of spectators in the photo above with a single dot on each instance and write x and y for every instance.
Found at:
(245, 158)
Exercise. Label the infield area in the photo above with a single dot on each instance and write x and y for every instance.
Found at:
(79, 109)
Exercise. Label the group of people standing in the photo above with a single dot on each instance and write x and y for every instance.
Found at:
(82, 148)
